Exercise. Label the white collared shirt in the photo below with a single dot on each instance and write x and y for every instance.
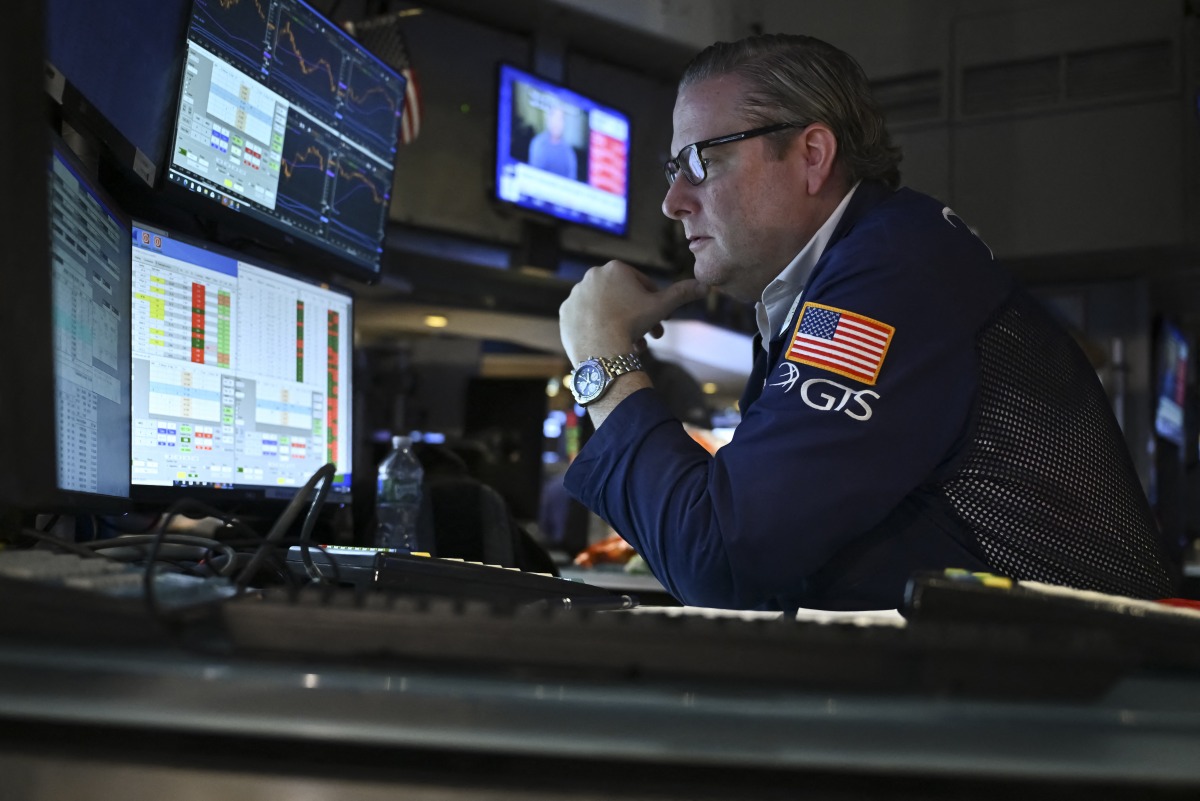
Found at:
(780, 298)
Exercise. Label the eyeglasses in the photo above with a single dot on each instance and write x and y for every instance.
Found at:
(694, 166)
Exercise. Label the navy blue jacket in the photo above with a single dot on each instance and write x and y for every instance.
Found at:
(833, 491)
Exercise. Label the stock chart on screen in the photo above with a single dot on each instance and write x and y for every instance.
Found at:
(285, 118)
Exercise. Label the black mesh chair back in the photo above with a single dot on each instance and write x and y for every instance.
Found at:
(1048, 487)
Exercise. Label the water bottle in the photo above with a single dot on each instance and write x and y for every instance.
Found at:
(398, 498)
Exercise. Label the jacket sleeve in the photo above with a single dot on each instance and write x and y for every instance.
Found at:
(820, 457)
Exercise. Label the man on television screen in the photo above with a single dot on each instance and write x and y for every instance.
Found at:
(910, 407)
(549, 150)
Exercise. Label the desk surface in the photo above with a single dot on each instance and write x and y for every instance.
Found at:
(369, 693)
(309, 716)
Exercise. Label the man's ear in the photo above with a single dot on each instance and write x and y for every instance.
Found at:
(818, 148)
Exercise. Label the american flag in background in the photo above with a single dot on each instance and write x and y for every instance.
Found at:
(384, 36)
(840, 341)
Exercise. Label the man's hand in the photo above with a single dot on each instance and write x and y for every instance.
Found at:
(609, 313)
(614, 307)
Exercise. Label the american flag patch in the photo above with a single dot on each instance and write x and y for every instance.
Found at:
(840, 341)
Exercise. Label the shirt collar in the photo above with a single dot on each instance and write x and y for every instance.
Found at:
(774, 311)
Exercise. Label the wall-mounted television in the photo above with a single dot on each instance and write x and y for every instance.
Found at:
(561, 153)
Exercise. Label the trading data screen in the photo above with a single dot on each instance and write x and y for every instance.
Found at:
(285, 118)
(241, 373)
(90, 263)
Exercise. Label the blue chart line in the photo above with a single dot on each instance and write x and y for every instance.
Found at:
(358, 203)
(240, 28)
(307, 64)
(353, 236)
(371, 109)
(302, 174)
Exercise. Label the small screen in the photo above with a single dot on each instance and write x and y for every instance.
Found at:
(91, 269)
(241, 373)
(284, 118)
(560, 153)
(1172, 386)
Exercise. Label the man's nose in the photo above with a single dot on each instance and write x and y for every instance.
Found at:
(680, 199)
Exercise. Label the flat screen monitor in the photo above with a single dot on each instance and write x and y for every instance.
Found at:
(90, 268)
(114, 70)
(561, 153)
(241, 374)
(1171, 408)
(287, 124)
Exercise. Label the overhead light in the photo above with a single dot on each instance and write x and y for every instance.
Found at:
(709, 388)
(437, 320)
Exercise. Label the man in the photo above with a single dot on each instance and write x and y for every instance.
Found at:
(549, 150)
(910, 408)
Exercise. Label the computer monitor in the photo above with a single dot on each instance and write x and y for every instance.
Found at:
(1171, 409)
(113, 68)
(90, 269)
(561, 153)
(288, 127)
(241, 374)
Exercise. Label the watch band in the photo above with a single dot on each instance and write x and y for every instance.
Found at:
(620, 365)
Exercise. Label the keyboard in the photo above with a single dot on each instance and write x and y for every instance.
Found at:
(108, 577)
(553, 640)
(499, 586)
(357, 627)
(50, 596)
(419, 574)
(1162, 634)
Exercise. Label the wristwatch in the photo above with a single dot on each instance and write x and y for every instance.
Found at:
(592, 377)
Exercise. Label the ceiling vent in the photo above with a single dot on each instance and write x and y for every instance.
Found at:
(1113, 73)
(911, 98)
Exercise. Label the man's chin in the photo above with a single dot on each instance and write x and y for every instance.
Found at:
(724, 284)
(711, 275)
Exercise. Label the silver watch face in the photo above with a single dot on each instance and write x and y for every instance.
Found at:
(588, 381)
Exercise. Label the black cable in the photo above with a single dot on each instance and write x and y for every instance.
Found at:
(311, 568)
(135, 540)
(50, 539)
(191, 508)
(321, 477)
(149, 586)
(310, 522)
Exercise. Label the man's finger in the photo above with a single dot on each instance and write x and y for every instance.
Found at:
(681, 293)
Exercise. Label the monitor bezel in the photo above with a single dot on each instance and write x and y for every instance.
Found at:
(84, 113)
(253, 494)
(75, 110)
(536, 213)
